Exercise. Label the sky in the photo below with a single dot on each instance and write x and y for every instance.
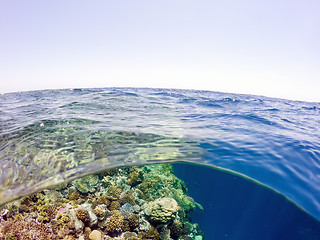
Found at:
(269, 48)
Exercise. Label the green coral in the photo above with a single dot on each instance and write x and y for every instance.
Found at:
(63, 218)
(86, 184)
(18, 217)
(43, 219)
(11, 236)
(44, 206)
(160, 182)
(114, 192)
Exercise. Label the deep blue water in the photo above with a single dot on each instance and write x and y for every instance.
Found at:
(238, 209)
(53, 136)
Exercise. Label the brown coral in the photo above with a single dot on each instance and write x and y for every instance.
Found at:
(74, 196)
(133, 221)
(128, 197)
(101, 200)
(126, 226)
(152, 233)
(176, 229)
(114, 205)
(82, 215)
(115, 222)
(99, 212)
(26, 229)
(87, 231)
(69, 237)
(135, 177)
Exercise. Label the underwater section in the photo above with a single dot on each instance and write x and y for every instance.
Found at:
(237, 208)
(128, 203)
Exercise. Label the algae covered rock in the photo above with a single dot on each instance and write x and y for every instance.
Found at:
(161, 210)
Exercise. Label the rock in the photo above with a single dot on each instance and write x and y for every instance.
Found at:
(161, 210)
(95, 235)
(78, 225)
(93, 219)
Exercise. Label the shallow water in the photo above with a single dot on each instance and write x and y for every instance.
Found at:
(49, 137)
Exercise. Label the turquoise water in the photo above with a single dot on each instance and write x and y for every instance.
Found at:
(52, 136)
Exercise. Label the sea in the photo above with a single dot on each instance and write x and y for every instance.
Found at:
(252, 162)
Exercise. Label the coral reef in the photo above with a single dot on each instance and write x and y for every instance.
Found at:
(129, 203)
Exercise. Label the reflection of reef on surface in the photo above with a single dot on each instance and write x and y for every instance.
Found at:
(146, 202)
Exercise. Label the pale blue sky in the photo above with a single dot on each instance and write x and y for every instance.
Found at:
(266, 48)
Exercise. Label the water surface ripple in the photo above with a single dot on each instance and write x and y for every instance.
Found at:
(52, 136)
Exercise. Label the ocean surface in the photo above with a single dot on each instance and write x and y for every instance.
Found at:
(253, 162)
